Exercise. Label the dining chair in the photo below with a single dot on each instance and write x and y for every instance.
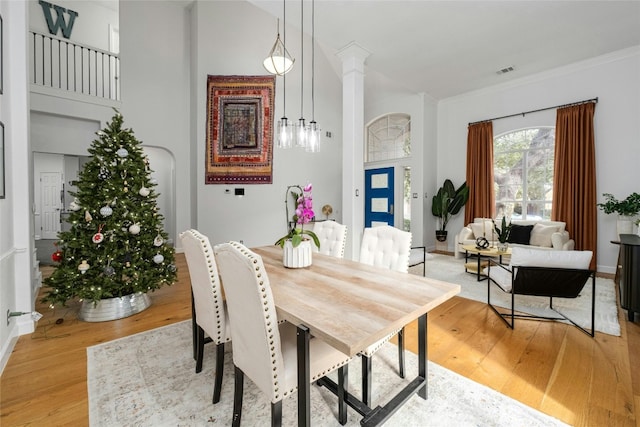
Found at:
(387, 247)
(209, 314)
(332, 236)
(264, 350)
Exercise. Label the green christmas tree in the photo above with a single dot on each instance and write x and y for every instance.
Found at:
(116, 245)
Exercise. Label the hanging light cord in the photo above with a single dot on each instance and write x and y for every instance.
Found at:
(313, 60)
(284, 45)
(301, 59)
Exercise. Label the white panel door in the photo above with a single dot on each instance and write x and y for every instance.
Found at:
(50, 203)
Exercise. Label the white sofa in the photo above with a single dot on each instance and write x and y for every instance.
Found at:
(550, 235)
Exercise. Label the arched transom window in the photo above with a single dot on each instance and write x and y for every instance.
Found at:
(389, 138)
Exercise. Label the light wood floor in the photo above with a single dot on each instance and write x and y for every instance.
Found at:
(552, 367)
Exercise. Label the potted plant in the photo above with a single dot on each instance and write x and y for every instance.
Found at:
(296, 243)
(626, 210)
(447, 202)
(503, 233)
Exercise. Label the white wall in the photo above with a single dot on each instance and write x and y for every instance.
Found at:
(613, 79)
(233, 38)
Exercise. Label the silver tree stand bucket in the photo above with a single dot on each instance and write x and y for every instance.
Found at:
(114, 308)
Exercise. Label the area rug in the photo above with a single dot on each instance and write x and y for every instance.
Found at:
(149, 379)
(450, 269)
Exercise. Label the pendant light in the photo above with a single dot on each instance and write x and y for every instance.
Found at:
(279, 62)
(301, 128)
(313, 136)
(285, 128)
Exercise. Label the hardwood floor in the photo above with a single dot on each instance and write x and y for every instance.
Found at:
(552, 367)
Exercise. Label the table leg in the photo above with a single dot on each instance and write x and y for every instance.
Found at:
(304, 380)
(479, 262)
(422, 353)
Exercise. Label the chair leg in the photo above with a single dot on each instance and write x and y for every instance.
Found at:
(238, 389)
(401, 352)
(276, 414)
(193, 327)
(219, 369)
(366, 380)
(343, 380)
(200, 348)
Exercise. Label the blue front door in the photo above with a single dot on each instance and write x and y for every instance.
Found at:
(378, 197)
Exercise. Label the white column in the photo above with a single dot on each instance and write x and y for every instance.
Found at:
(353, 57)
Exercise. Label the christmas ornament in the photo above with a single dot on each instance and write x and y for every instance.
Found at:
(158, 258)
(87, 216)
(172, 268)
(104, 173)
(122, 152)
(125, 189)
(126, 224)
(106, 211)
(134, 229)
(158, 241)
(109, 271)
(74, 206)
(113, 203)
(98, 237)
(127, 260)
(153, 181)
(84, 266)
(144, 191)
(56, 256)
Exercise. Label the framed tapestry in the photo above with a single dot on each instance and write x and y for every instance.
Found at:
(239, 129)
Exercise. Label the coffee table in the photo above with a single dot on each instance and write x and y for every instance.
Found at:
(482, 258)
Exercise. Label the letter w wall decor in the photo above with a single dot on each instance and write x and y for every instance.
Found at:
(61, 23)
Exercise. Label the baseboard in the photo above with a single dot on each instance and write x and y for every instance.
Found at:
(8, 347)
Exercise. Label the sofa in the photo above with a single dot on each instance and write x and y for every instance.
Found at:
(539, 234)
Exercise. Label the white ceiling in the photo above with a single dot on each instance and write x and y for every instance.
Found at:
(445, 48)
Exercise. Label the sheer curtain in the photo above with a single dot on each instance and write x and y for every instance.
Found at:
(574, 181)
(482, 198)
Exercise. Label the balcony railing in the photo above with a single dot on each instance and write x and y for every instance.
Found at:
(61, 64)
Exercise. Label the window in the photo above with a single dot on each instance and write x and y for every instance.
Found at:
(523, 173)
(389, 138)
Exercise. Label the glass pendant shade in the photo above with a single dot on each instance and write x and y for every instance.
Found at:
(285, 133)
(279, 62)
(301, 133)
(313, 137)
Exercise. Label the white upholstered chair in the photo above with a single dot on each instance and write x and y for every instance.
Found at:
(263, 350)
(386, 247)
(332, 236)
(208, 306)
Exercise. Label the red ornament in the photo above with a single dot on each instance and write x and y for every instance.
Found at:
(56, 256)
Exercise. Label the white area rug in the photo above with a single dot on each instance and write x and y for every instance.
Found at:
(149, 379)
(449, 269)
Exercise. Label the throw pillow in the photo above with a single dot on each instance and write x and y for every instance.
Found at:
(520, 234)
(481, 229)
(541, 235)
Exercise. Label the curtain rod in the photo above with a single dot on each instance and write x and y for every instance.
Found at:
(594, 100)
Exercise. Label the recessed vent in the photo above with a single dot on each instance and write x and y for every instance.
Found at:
(505, 70)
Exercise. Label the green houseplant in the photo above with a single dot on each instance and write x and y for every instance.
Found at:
(627, 207)
(503, 233)
(446, 203)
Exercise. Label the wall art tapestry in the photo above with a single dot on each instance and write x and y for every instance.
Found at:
(239, 129)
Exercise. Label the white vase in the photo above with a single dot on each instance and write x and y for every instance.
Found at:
(298, 257)
(624, 225)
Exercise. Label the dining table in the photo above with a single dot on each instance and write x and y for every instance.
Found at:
(351, 305)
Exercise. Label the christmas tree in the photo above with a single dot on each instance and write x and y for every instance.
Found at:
(116, 245)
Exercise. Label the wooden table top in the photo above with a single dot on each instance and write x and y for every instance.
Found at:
(348, 304)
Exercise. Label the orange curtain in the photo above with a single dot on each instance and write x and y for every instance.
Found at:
(482, 197)
(574, 180)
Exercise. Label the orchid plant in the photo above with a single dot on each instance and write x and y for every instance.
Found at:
(303, 215)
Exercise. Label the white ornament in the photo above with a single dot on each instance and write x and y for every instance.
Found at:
(98, 238)
(144, 192)
(122, 152)
(106, 210)
(83, 267)
(158, 241)
(153, 181)
(74, 206)
(134, 229)
(158, 258)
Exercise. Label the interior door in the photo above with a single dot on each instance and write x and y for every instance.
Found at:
(378, 197)
(50, 196)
